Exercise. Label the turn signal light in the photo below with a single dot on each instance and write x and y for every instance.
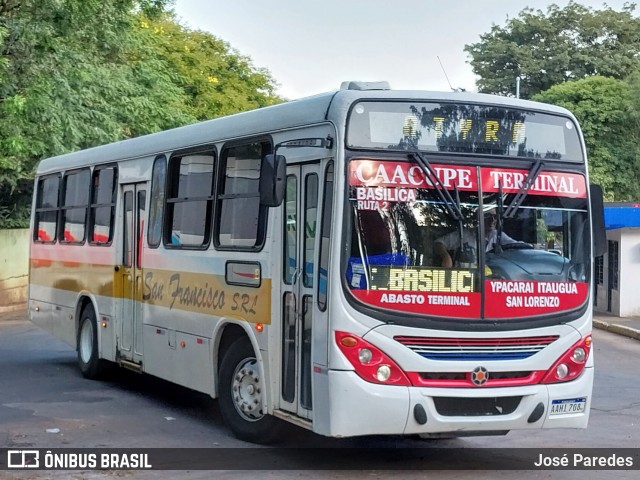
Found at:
(370, 363)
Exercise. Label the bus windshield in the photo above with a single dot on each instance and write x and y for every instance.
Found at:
(408, 252)
(460, 128)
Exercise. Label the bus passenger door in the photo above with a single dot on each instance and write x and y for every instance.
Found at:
(300, 220)
(130, 332)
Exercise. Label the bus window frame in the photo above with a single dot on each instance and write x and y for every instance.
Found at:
(163, 206)
(263, 213)
(92, 206)
(38, 210)
(167, 220)
(325, 220)
(64, 208)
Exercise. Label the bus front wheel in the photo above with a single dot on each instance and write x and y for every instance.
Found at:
(88, 356)
(241, 393)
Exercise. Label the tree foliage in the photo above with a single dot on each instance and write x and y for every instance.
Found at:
(79, 73)
(564, 44)
(607, 109)
(216, 78)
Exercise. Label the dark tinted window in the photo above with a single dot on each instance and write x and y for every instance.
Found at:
(156, 207)
(326, 217)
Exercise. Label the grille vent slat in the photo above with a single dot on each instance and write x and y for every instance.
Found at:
(451, 348)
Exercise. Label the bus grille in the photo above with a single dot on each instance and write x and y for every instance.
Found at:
(452, 348)
(475, 407)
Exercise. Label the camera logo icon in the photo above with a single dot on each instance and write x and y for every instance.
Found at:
(23, 459)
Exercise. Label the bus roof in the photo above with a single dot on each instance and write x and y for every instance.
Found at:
(305, 111)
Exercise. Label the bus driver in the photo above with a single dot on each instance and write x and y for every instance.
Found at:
(451, 241)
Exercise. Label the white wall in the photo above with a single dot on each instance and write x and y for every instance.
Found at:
(14, 268)
(629, 296)
(625, 301)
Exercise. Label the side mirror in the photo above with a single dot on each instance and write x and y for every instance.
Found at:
(597, 218)
(273, 173)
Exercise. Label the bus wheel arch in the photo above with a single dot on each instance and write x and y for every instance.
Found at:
(82, 303)
(87, 346)
(241, 388)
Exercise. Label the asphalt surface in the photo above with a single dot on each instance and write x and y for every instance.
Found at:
(170, 414)
(626, 326)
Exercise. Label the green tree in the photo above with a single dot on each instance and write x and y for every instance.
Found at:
(610, 121)
(69, 81)
(216, 78)
(79, 73)
(564, 44)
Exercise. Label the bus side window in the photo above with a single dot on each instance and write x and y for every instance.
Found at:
(46, 218)
(240, 217)
(103, 205)
(156, 205)
(189, 200)
(325, 235)
(74, 206)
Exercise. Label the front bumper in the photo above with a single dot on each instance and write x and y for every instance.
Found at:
(358, 407)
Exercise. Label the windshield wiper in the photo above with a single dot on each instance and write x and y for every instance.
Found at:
(524, 189)
(450, 204)
(500, 213)
(361, 248)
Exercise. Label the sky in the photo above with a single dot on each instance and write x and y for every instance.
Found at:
(312, 46)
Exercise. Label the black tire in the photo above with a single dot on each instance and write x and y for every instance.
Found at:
(87, 345)
(240, 391)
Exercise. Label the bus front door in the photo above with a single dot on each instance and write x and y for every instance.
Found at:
(130, 331)
(299, 223)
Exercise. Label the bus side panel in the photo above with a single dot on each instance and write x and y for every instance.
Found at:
(61, 276)
(185, 295)
(178, 357)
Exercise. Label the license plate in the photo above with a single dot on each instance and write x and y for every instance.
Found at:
(568, 405)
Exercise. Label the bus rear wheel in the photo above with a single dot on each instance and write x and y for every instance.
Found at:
(88, 356)
(241, 393)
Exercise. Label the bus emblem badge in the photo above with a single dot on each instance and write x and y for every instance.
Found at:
(479, 376)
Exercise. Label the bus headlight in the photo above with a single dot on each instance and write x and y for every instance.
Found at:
(383, 373)
(365, 355)
(571, 363)
(579, 355)
(562, 371)
(370, 362)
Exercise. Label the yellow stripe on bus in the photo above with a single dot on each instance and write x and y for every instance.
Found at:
(193, 292)
(207, 293)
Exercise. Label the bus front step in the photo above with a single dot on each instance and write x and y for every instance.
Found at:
(129, 365)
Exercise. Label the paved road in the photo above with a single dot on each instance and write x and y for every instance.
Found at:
(45, 403)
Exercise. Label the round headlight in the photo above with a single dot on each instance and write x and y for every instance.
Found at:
(383, 373)
(562, 371)
(579, 355)
(364, 355)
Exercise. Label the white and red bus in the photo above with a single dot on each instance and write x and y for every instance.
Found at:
(326, 262)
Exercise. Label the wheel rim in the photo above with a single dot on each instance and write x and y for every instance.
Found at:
(246, 390)
(86, 341)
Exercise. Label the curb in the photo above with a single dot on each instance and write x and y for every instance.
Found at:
(619, 329)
